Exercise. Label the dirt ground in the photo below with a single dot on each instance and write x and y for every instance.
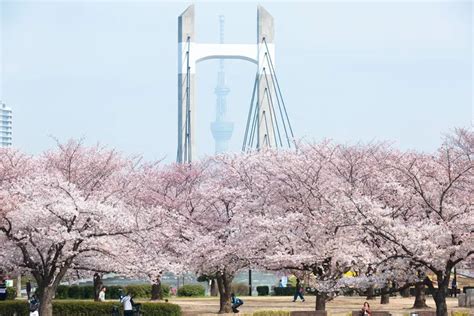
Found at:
(340, 306)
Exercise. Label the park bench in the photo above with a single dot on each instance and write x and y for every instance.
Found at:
(308, 313)
(374, 313)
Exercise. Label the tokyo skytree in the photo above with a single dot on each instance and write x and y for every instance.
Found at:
(221, 128)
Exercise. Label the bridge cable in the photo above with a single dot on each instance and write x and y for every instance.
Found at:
(274, 113)
(250, 113)
(266, 126)
(254, 126)
(279, 90)
(278, 99)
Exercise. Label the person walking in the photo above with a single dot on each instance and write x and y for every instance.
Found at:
(236, 302)
(454, 288)
(298, 291)
(28, 289)
(127, 303)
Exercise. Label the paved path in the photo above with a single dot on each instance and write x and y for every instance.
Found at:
(340, 306)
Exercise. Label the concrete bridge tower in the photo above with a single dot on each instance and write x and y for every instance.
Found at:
(266, 89)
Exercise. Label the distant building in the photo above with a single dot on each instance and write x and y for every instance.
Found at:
(221, 128)
(5, 125)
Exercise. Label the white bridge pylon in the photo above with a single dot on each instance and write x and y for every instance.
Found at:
(262, 53)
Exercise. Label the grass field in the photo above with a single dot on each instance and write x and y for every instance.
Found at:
(340, 306)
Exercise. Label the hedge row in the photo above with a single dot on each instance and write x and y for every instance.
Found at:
(190, 290)
(11, 293)
(88, 308)
(113, 292)
(263, 290)
(284, 291)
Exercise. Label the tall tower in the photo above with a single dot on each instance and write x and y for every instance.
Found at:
(5, 126)
(221, 128)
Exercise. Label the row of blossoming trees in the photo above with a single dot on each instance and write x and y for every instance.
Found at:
(322, 210)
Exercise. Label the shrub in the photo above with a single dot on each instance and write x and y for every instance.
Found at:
(87, 308)
(113, 292)
(139, 291)
(240, 289)
(76, 292)
(11, 293)
(284, 291)
(144, 290)
(8, 308)
(88, 292)
(263, 290)
(75, 307)
(460, 313)
(62, 292)
(271, 313)
(166, 290)
(191, 290)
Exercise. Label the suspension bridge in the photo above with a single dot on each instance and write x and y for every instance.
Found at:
(268, 124)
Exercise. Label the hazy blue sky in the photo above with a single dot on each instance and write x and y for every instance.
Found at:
(349, 71)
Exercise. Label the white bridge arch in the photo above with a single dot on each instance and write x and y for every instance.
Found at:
(262, 53)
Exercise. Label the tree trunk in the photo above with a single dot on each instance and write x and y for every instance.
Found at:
(224, 281)
(420, 296)
(156, 291)
(439, 297)
(46, 301)
(441, 307)
(370, 293)
(214, 289)
(385, 297)
(321, 299)
(97, 279)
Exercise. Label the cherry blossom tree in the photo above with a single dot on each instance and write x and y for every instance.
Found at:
(359, 180)
(440, 223)
(303, 227)
(67, 213)
(419, 211)
(207, 207)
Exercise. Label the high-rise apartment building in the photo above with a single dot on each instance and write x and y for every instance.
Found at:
(5, 125)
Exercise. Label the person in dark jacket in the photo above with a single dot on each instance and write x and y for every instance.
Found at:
(236, 302)
(28, 289)
(3, 290)
(298, 291)
(454, 288)
(34, 305)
